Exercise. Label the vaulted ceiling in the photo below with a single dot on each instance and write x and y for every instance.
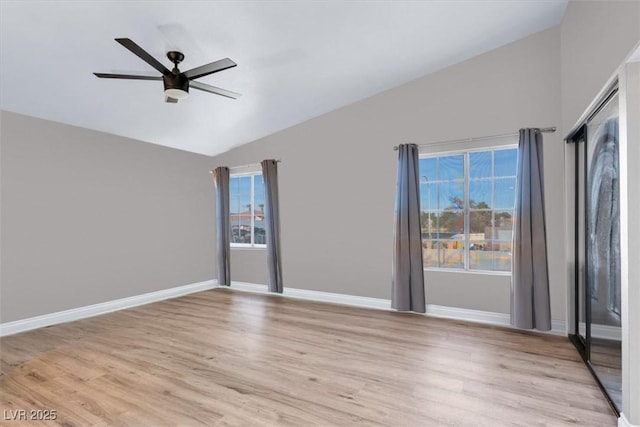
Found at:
(296, 60)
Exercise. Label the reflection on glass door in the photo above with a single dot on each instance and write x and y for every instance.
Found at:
(597, 248)
(602, 205)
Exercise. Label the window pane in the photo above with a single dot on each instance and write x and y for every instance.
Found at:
(480, 225)
(430, 252)
(451, 195)
(240, 197)
(506, 162)
(505, 193)
(244, 235)
(240, 208)
(451, 167)
(258, 204)
(451, 253)
(503, 225)
(258, 186)
(428, 170)
(235, 233)
(244, 218)
(480, 194)
(480, 165)
(428, 197)
(234, 186)
(258, 211)
(429, 222)
(480, 255)
(234, 208)
(244, 184)
(240, 227)
(234, 200)
(450, 224)
(502, 255)
(244, 204)
(259, 238)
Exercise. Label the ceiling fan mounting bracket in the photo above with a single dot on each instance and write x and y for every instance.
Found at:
(175, 57)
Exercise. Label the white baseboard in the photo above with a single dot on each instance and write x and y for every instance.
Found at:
(624, 422)
(559, 327)
(486, 317)
(613, 333)
(10, 328)
(320, 296)
(70, 315)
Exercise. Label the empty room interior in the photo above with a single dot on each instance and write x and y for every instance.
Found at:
(327, 213)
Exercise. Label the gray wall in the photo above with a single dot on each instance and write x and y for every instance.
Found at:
(337, 176)
(89, 217)
(595, 38)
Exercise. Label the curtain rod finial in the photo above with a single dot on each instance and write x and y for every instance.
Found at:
(550, 129)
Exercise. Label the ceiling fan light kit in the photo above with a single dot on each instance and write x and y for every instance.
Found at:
(176, 83)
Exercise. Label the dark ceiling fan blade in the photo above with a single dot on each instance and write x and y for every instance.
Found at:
(213, 89)
(170, 100)
(207, 69)
(126, 76)
(142, 54)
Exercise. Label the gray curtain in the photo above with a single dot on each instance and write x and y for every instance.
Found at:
(223, 227)
(407, 267)
(272, 224)
(530, 306)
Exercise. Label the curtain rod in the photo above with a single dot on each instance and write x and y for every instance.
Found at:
(246, 166)
(549, 129)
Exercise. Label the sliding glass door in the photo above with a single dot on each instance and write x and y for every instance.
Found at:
(597, 247)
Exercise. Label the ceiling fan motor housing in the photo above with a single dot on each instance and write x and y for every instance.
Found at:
(176, 81)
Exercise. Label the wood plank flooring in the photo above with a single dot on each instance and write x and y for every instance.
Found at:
(228, 358)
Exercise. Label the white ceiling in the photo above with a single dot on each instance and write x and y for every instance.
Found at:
(296, 60)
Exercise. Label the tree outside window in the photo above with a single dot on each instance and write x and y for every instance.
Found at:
(467, 202)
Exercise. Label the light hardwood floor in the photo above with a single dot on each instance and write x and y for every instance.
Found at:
(228, 358)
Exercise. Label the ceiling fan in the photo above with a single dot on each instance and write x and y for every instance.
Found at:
(176, 82)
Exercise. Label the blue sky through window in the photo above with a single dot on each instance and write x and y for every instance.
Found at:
(240, 193)
(477, 236)
(486, 169)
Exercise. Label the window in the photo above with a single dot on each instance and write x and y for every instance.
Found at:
(467, 200)
(246, 200)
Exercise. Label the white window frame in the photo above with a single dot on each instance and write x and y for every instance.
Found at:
(251, 245)
(466, 152)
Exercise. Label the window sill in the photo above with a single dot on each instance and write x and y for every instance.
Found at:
(248, 248)
(461, 271)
